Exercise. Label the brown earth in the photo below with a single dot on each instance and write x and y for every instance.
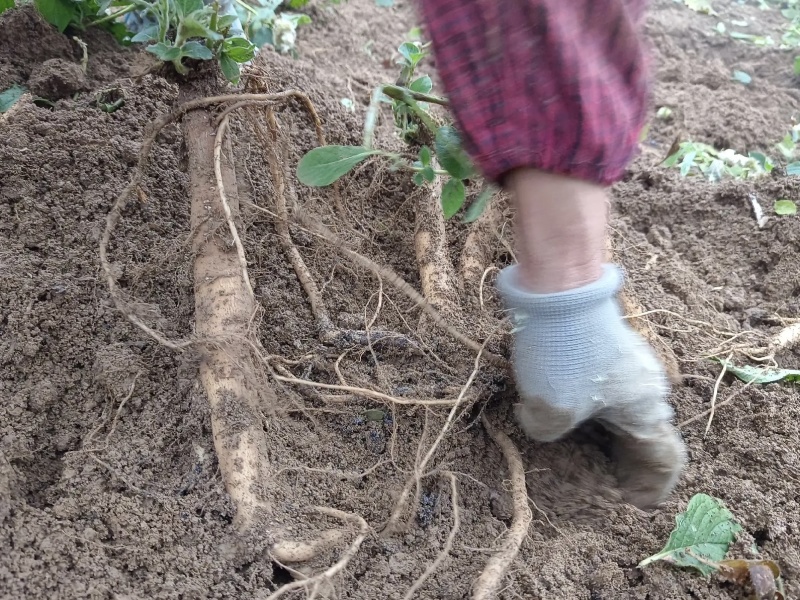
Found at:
(109, 486)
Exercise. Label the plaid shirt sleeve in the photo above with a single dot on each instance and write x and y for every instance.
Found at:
(556, 85)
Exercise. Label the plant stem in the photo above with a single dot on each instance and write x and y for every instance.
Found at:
(114, 16)
(397, 92)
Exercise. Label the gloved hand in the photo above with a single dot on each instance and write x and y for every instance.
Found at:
(576, 358)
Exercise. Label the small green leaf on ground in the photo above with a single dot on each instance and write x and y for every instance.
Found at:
(793, 168)
(322, 166)
(453, 195)
(9, 97)
(785, 207)
(701, 6)
(701, 536)
(762, 375)
(742, 77)
(721, 27)
(374, 414)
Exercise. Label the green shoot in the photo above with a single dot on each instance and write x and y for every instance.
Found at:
(435, 149)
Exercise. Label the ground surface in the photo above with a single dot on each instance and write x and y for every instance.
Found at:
(144, 513)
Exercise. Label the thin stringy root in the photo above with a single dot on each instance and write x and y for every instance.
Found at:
(497, 566)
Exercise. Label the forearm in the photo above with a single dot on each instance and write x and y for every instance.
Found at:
(554, 85)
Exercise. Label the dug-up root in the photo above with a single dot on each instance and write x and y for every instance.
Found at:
(430, 245)
(478, 252)
(330, 334)
(491, 578)
(224, 309)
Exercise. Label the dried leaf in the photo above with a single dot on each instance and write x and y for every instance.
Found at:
(762, 575)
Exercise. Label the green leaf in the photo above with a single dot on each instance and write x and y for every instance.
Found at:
(295, 4)
(374, 414)
(238, 49)
(453, 195)
(148, 34)
(762, 375)
(763, 160)
(411, 52)
(225, 21)
(428, 174)
(450, 153)
(194, 26)
(322, 166)
(797, 65)
(687, 163)
(480, 203)
(57, 12)
(422, 85)
(187, 7)
(425, 156)
(418, 179)
(9, 97)
(165, 53)
(196, 50)
(785, 207)
(230, 68)
(703, 533)
(742, 77)
(5, 5)
(793, 168)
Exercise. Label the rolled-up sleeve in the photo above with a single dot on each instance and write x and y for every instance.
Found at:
(556, 85)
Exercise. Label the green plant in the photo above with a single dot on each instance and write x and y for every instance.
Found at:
(715, 164)
(435, 149)
(184, 29)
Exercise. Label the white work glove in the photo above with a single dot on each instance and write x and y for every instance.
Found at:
(576, 358)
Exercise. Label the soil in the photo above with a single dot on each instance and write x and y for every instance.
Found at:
(109, 484)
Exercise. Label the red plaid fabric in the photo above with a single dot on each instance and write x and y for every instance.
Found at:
(557, 85)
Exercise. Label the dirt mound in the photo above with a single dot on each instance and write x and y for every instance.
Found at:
(109, 483)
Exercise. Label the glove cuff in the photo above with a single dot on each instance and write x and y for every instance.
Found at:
(559, 304)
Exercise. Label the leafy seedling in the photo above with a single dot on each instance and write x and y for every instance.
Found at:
(702, 535)
(664, 113)
(9, 97)
(436, 148)
(716, 164)
(785, 207)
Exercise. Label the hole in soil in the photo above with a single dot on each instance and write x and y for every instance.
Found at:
(761, 536)
(280, 576)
